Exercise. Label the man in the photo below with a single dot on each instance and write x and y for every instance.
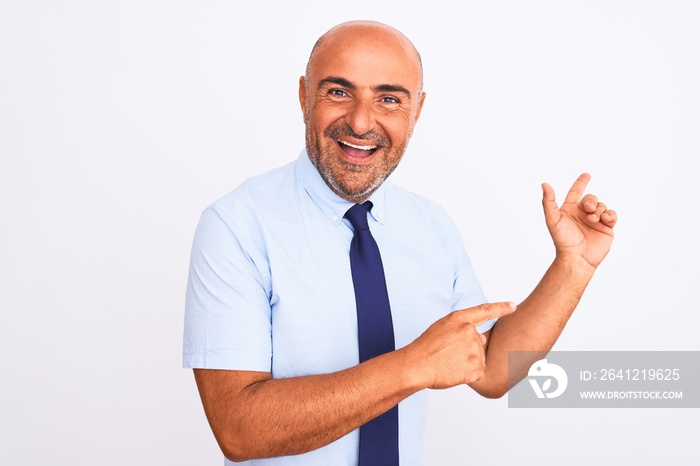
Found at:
(271, 320)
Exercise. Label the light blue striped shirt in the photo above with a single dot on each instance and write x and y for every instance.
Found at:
(270, 287)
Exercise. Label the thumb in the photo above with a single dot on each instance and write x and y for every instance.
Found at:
(549, 204)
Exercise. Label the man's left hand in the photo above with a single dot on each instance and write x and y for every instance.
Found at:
(582, 226)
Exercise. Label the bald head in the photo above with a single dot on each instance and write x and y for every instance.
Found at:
(346, 33)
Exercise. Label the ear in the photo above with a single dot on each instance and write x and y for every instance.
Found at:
(420, 108)
(302, 96)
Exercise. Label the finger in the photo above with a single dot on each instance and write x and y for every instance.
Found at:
(549, 204)
(577, 189)
(589, 203)
(599, 209)
(487, 311)
(609, 218)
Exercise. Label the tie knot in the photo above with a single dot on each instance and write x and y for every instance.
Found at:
(357, 215)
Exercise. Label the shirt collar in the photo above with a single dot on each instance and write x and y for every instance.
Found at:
(332, 205)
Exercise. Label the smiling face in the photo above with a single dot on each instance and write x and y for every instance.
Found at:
(361, 98)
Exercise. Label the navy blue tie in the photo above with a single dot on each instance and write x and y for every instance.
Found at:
(379, 438)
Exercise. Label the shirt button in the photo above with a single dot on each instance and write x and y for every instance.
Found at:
(335, 218)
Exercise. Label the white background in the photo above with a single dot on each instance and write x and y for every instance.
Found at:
(121, 121)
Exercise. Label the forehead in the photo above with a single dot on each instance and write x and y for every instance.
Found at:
(367, 57)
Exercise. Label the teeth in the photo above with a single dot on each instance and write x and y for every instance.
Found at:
(357, 147)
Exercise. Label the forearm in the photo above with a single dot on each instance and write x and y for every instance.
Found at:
(537, 324)
(290, 416)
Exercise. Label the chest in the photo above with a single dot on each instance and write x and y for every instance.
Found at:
(314, 323)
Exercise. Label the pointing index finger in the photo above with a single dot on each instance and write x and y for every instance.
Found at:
(483, 313)
(577, 189)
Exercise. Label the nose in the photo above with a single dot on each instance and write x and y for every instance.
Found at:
(361, 117)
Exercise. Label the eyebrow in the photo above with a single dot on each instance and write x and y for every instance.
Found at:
(392, 88)
(380, 88)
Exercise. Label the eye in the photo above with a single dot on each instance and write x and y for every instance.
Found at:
(389, 102)
(338, 93)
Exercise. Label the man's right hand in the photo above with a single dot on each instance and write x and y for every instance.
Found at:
(451, 351)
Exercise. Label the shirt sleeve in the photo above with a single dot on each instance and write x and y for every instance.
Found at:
(227, 305)
(467, 290)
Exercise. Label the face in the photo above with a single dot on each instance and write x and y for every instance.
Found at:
(361, 101)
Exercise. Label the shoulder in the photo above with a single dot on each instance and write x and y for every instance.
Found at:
(259, 205)
(261, 202)
(258, 191)
(409, 204)
(408, 211)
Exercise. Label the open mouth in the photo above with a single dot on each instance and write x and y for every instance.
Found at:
(355, 150)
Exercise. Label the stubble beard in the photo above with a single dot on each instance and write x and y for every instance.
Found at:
(350, 181)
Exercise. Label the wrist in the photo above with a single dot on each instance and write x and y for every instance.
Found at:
(414, 376)
(574, 266)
